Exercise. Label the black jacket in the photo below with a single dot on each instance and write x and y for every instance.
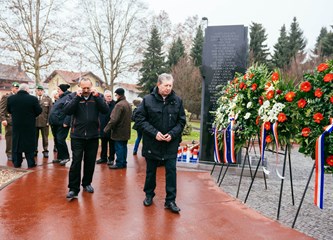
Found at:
(85, 115)
(157, 115)
(57, 114)
(104, 119)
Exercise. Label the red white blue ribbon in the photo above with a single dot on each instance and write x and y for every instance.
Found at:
(229, 143)
(262, 145)
(320, 162)
(263, 134)
(217, 157)
(276, 137)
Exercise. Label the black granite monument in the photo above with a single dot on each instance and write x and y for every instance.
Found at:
(224, 53)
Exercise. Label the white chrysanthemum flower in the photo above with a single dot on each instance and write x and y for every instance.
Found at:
(233, 105)
(270, 88)
(261, 111)
(265, 118)
(249, 105)
(247, 115)
(266, 104)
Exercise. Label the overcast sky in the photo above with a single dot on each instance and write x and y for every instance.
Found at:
(311, 15)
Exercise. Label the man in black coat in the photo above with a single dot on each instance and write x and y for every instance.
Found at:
(84, 108)
(106, 141)
(161, 117)
(24, 109)
(60, 123)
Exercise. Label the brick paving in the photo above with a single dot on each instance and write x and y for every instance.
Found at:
(312, 221)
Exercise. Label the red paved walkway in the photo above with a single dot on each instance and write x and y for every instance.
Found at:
(35, 207)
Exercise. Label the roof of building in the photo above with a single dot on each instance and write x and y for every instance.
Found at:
(69, 76)
(13, 73)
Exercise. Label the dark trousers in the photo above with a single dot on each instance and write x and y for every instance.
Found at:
(8, 137)
(137, 141)
(54, 133)
(107, 143)
(170, 179)
(17, 159)
(86, 150)
(121, 153)
(45, 137)
(61, 134)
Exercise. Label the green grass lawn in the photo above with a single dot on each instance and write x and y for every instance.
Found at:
(195, 134)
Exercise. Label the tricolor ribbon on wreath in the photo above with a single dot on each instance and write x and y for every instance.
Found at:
(228, 144)
(320, 162)
(263, 134)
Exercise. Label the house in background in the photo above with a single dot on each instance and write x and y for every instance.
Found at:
(131, 90)
(58, 77)
(10, 74)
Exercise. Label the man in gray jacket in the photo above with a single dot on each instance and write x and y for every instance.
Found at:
(120, 125)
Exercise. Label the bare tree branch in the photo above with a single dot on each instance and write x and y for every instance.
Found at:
(30, 33)
(111, 26)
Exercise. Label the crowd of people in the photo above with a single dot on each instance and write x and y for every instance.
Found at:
(92, 118)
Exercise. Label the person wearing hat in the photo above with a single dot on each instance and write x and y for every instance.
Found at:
(42, 121)
(60, 123)
(120, 126)
(6, 119)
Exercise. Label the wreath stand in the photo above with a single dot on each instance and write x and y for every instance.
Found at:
(217, 163)
(305, 190)
(225, 172)
(286, 152)
(247, 158)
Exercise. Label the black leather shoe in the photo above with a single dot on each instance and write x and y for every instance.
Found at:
(148, 201)
(115, 167)
(45, 154)
(110, 162)
(172, 207)
(71, 195)
(88, 189)
(32, 166)
(99, 161)
(56, 161)
(63, 162)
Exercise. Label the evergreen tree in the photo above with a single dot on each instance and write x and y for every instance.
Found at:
(322, 35)
(258, 50)
(196, 51)
(281, 57)
(153, 63)
(296, 39)
(327, 45)
(176, 52)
